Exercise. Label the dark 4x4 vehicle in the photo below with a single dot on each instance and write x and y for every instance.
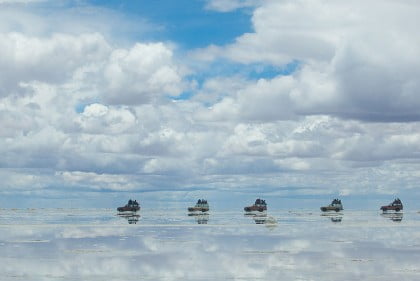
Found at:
(394, 206)
(334, 206)
(131, 206)
(259, 206)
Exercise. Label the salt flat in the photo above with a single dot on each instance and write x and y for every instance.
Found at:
(96, 244)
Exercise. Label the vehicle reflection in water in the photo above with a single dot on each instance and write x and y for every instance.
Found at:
(397, 217)
(95, 244)
(132, 218)
(255, 214)
(262, 218)
(200, 218)
(335, 218)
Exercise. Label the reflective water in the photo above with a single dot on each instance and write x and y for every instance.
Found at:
(96, 244)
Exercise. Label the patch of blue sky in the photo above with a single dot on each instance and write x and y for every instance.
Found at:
(185, 22)
(253, 71)
(250, 72)
(265, 71)
(79, 108)
(183, 96)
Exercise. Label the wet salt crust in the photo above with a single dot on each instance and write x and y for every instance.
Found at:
(60, 244)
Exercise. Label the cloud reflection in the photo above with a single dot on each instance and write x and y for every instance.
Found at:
(302, 247)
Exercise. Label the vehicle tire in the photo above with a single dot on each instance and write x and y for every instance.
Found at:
(337, 209)
(397, 210)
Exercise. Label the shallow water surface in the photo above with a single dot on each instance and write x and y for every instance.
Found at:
(96, 244)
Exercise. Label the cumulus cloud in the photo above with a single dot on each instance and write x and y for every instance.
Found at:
(354, 64)
(144, 72)
(92, 112)
(98, 181)
(52, 60)
(101, 119)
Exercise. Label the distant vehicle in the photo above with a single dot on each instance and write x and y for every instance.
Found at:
(259, 206)
(200, 206)
(334, 206)
(396, 206)
(131, 206)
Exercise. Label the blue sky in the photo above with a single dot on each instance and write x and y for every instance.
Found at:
(175, 99)
(186, 22)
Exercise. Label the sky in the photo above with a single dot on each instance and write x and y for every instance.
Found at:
(175, 99)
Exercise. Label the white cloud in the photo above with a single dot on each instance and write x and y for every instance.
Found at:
(358, 59)
(95, 110)
(94, 113)
(230, 5)
(268, 100)
(214, 89)
(100, 119)
(98, 181)
(53, 59)
(144, 72)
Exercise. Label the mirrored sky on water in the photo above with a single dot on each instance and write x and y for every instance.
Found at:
(96, 244)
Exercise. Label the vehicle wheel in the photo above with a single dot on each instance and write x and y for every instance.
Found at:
(337, 209)
(397, 210)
